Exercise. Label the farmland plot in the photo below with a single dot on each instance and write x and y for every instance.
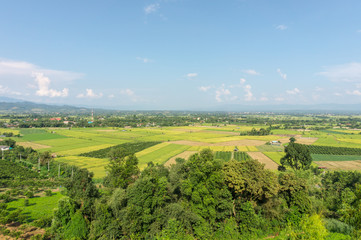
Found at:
(269, 164)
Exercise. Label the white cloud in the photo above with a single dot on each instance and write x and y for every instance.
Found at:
(337, 94)
(293, 91)
(222, 94)
(283, 75)
(319, 89)
(279, 99)
(151, 8)
(111, 96)
(204, 88)
(43, 87)
(20, 68)
(249, 95)
(90, 94)
(251, 72)
(242, 81)
(22, 74)
(130, 94)
(349, 72)
(192, 75)
(144, 60)
(354, 92)
(281, 27)
(359, 31)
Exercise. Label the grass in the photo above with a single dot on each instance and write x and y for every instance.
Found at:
(159, 155)
(38, 206)
(324, 157)
(95, 165)
(32, 135)
(275, 156)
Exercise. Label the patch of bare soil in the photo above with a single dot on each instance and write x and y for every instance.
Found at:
(269, 164)
(340, 165)
(185, 155)
(32, 145)
(244, 142)
(306, 140)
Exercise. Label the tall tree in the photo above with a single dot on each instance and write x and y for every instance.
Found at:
(122, 169)
(297, 156)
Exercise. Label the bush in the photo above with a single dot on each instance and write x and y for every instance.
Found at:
(336, 226)
(48, 193)
(29, 194)
(26, 202)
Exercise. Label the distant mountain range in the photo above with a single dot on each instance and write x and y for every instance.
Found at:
(17, 106)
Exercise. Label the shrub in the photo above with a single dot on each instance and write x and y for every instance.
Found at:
(29, 194)
(48, 193)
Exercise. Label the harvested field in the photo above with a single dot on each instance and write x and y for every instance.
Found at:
(269, 164)
(222, 132)
(306, 140)
(244, 142)
(185, 155)
(340, 165)
(32, 145)
(301, 140)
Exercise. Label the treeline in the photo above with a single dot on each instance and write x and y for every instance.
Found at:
(130, 147)
(204, 198)
(255, 132)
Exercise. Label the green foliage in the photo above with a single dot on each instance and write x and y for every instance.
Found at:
(122, 169)
(76, 228)
(336, 226)
(297, 156)
(204, 187)
(9, 142)
(313, 228)
(295, 191)
(12, 171)
(131, 148)
(249, 222)
(249, 181)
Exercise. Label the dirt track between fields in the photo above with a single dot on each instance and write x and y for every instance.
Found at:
(185, 155)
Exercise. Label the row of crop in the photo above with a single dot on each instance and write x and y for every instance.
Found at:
(226, 156)
(241, 156)
(315, 149)
(130, 147)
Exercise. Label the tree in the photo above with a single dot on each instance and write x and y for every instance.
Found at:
(122, 169)
(45, 157)
(10, 142)
(297, 156)
(249, 181)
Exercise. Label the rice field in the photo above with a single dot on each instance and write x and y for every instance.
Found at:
(275, 156)
(160, 155)
(95, 165)
(68, 144)
(326, 157)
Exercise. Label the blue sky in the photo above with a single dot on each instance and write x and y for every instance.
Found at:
(181, 54)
